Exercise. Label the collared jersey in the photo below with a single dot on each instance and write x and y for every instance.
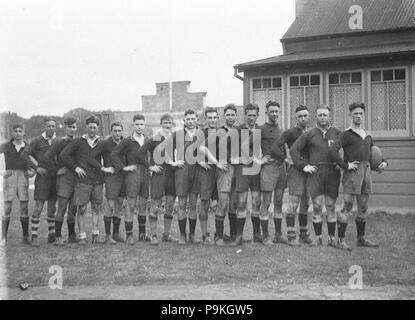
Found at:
(12, 157)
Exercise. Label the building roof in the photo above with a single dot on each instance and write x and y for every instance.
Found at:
(331, 54)
(331, 17)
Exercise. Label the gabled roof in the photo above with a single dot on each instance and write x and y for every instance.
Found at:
(331, 54)
(330, 17)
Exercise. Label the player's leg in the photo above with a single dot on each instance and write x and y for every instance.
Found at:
(331, 220)
(142, 218)
(116, 220)
(37, 210)
(5, 221)
(60, 214)
(223, 205)
(182, 218)
(362, 205)
(255, 215)
(97, 200)
(23, 196)
(264, 217)
(303, 218)
(203, 220)
(318, 202)
(168, 218)
(192, 216)
(342, 220)
(206, 182)
(128, 221)
(241, 217)
(108, 214)
(51, 210)
(155, 210)
(71, 220)
(80, 218)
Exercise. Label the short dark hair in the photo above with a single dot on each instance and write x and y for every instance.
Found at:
(356, 105)
(272, 103)
(18, 125)
(92, 119)
(139, 117)
(166, 116)
(301, 107)
(230, 106)
(47, 119)
(210, 110)
(116, 124)
(323, 106)
(68, 121)
(189, 111)
(251, 106)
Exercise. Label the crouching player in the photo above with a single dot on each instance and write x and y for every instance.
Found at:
(356, 144)
(161, 181)
(65, 183)
(323, 175)
(15, 183)
(114, 182)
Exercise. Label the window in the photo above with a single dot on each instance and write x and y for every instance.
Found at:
(344, 88)
(304, 89)
(264, 90)
(388, 105)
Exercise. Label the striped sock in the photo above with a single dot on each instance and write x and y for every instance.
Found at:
(142, 224)
(35, 227)
(290, 221)
(51, 225)
(128, 228)
(303, 221)
(277, 224)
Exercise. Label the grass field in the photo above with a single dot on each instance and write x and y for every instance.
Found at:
(170, 264)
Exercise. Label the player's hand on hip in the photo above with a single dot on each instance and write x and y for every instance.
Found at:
(204, 165)
(353, 165)
(310, 169)
(41, 171)
(6, 173)
(130, 168)
(382, 167)
(62, 171)
(155, 168)
(109, 170)
(80, 172)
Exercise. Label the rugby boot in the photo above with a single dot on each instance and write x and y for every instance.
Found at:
(279, 238)
(305, 238)
(117, 237)
(362, 242)
(342, 245)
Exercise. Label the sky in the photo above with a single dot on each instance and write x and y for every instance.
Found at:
(58, 55)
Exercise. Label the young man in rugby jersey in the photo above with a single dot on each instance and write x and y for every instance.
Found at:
(273, 174)
(89, 185)
(185, 174)
(225, 177)
(45, 181)
(161, 181)
(206, 175)
(65, 183)
(296, 182)
(247, 172)
(323, 175)
(136, 179)
(357, 183)
(15, 182)
(114, 182)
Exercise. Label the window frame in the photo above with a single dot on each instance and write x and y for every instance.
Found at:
(388, 133)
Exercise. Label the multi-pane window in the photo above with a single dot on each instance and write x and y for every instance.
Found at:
(305, 90)
(264, 90)
(344, 89)
(388, 100)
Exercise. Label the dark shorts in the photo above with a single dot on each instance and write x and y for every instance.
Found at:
(137, 183)
(245, 182)
(186, 180)
(85, 193)
(225, 180)
(273, 176)
(45, 187)
(114, 186)
(163, 183)
(207, 182)
(296, 180)
(325, 181)
(359, 181)
(65, 184)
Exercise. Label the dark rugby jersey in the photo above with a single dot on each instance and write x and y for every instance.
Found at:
(355, 148)
(127, 150)
(103, 149)
(76, 154)
(12, 157)
(269, 134)
(147, 151)
(181, 141)
(288, 137)
(37, 149)
(51, 160)
(317, 144)
(250, 143)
